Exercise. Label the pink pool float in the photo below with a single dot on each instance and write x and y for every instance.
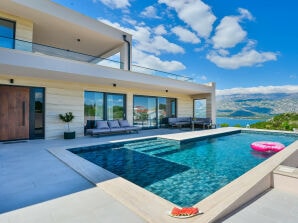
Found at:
(266, 146)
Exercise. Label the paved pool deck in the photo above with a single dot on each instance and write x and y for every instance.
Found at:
(38, 187)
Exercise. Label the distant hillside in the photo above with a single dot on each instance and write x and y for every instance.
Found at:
(286, 122)
(256, 105)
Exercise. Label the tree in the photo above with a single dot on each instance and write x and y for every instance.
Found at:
(67, 117)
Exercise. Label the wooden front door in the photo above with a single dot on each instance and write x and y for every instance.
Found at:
(14, 112)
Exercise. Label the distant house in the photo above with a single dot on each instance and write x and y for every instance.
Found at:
(53, 60)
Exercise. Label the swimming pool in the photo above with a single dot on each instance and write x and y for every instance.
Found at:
(183, 173)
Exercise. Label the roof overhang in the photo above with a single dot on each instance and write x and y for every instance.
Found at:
(57, 26)
(26, 64)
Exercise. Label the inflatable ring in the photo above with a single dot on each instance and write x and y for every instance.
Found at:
(266, 146)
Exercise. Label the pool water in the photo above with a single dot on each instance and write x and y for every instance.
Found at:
(183, 173)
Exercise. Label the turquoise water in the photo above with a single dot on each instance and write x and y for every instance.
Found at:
(237, 121)
(187, 173)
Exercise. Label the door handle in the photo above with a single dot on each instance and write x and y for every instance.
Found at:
(24, 112)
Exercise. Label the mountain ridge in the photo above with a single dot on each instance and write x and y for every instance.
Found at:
(256, 105)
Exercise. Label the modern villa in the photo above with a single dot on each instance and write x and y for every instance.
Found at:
(54, 60)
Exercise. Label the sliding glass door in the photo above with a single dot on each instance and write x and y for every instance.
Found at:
(166, 109)
(145, 111)
(115, 106)
(104, 106)
(93, 106)
(153, 112)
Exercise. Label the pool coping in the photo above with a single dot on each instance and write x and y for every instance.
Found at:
(154, 208)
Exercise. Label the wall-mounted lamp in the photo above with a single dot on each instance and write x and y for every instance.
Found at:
(11, 81)
(114, 85)
(79, 40)
(167, 90)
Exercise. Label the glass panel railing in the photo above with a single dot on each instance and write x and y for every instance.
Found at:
(77, 56)
(146, 70)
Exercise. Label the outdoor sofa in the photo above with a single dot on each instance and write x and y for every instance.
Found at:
(205, 123)
(189, 122)
(180, 122)
(108, 127)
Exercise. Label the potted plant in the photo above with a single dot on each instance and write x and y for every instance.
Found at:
(68, 117)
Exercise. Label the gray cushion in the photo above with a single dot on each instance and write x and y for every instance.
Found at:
(183, 119)
(114, 124)
(124, 123)
(172, 120)
(102, 125)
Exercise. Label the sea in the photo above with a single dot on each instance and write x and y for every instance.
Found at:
(243, 122)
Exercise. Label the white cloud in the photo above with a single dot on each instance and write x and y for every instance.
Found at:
(260, 90)
(246, 58)
(114, 3)
(203, 77)
(160, 30)
(245, 14)
(144, 40)
(157, 45)
(229, 32)
(129, 21)
(150, 12)
(151, 61)
(195, 13)
(185, 35)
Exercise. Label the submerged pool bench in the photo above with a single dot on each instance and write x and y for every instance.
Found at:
(107, 127)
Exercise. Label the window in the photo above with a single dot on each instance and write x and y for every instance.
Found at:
(7, 33)
(152, 112)
(93, 106)
(103, 106)
(200, 108)
(166, 109)
(37, 105)
(144, 111)
(115, 106)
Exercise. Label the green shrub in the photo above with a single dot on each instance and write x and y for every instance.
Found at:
(285, 121)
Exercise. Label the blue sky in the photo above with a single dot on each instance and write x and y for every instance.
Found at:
(243, 46)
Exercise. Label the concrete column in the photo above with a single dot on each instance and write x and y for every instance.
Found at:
(125, 53)
(124, 57)
(213, 102)
(129, 107)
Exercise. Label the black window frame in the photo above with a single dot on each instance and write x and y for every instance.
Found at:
(158, 124)
(105, 102)
(32, 132)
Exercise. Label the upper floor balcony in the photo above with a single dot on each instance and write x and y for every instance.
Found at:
(41, 49)
(52, 42)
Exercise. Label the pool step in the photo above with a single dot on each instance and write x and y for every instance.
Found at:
(164, 151)
(151, 145)
(155, 147)
(137, 145)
